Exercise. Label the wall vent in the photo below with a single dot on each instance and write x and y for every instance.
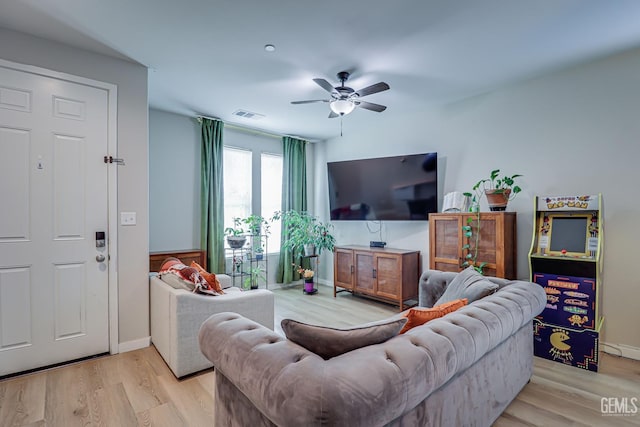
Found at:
(248, 114)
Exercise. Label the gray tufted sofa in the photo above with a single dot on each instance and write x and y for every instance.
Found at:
(460, 370)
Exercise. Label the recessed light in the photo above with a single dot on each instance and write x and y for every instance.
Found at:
(269, 47)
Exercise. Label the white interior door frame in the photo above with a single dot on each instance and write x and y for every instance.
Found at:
(112, 179)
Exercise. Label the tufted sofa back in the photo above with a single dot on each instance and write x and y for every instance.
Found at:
(369, 386)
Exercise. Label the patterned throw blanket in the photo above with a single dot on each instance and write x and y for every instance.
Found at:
(193, 278)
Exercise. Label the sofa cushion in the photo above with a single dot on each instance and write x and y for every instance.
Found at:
(419, 316)
(468, 284)
(330, 342)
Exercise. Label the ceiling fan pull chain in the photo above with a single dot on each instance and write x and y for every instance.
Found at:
(341, 125)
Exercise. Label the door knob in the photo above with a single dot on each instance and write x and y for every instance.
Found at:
(100, 258)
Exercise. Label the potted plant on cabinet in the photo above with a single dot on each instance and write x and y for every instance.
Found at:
(498, 189)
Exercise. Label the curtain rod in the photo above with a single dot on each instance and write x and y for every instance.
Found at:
(250, 130)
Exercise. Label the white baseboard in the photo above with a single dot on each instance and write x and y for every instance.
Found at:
(126, 346)
(621, 350)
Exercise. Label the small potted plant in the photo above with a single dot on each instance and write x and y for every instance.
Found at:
(235, 235)
(499, 190)
(307, 274)
(256, 275)
(256, 225)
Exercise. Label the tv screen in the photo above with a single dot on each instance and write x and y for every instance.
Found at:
(399, 188)
(569, 233)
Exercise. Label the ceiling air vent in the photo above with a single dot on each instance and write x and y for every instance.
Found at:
(248, 114)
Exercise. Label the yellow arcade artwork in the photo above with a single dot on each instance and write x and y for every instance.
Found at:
(559, 348)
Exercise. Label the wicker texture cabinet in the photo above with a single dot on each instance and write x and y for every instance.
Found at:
(496, 245)
(387, 274)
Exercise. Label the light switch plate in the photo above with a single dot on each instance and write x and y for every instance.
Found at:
(127, 218)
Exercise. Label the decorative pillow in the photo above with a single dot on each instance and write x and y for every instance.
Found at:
(211, 278)
(330, 342)
(177, 275)
(468, 284)
(419, 316)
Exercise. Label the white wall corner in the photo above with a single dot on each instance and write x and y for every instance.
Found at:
(134, 345)
(622, 350)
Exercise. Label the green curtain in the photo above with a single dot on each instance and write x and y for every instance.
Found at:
(212, 195)
(294, 197)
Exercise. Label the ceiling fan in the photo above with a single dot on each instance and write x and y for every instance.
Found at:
(344, 99)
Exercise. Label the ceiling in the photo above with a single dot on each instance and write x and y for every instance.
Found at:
(207, 57)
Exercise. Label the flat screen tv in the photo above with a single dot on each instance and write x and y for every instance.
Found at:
(398, 188)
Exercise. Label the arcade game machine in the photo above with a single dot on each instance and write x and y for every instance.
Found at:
(566, 260)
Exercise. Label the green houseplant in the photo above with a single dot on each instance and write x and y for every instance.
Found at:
(304, 231)
(499, 190)
(235, 234)
(256, 225)
(255, 276)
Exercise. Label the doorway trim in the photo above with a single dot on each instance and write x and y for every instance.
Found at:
(112, 181)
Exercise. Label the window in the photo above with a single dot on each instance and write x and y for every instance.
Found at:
(271, 194)
(237, 184)
(241, 200)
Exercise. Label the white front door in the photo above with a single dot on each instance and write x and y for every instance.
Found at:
(53, 200)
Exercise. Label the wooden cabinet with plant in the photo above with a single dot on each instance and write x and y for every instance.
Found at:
(387, 274)
(456, 242)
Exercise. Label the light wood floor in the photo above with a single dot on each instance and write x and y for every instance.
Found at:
(137, 388)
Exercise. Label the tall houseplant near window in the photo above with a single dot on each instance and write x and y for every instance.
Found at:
(305, 229)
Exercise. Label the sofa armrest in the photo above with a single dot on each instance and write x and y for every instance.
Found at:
(225, 280)
(176, 316)
(431, 286)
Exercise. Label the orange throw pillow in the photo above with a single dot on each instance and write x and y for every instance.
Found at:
(419, 316)
(211, 278)
(451, 306)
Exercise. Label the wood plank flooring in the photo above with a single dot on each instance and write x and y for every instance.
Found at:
(138, 389)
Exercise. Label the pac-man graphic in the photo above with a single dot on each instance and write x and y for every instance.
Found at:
(559, 347)
(576, 320)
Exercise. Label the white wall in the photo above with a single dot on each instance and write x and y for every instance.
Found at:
(131, 79)
(174, 186)
(571, 132)
(174, 182)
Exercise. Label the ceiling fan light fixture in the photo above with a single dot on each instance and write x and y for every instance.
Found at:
(342, 107)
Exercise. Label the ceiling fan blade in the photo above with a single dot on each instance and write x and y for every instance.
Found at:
(378, 87)
(333, 115)
(324, 85)
(370, 106)
(310, 101)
